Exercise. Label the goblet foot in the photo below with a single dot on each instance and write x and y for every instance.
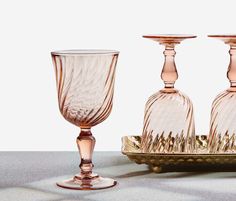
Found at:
(94, 182)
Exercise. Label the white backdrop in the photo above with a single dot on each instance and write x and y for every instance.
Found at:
(30, 30)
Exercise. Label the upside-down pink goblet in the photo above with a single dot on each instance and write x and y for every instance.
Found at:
(85, 86)
(168, 120)
(222, 135)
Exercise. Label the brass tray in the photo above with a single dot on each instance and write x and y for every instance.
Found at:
(165, 162)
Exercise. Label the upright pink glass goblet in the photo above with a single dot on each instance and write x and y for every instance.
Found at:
(85, 86)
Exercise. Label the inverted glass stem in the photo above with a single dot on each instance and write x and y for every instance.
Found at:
(231, 73)
(169, 72)
(86, 142)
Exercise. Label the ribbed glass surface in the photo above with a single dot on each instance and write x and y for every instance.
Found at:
(168, 124)
(85, 85)
(223, 122)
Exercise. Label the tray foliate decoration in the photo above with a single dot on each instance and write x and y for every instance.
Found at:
(202, 160)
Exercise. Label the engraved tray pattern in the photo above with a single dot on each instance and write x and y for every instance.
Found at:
(166, 162)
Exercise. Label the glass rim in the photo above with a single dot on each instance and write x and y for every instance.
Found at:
(78, 52)
(170, 36)
(222, 36)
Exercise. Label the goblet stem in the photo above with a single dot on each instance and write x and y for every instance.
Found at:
(86, 142)
(169, 73)
(231, 74)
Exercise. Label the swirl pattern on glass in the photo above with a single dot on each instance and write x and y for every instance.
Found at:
(168, 124)
(85, 85)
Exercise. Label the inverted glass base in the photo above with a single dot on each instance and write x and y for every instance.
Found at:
(95, 182)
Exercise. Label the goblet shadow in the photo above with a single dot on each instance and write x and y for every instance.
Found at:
(135, 174)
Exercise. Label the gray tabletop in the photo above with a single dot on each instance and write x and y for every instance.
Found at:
(31, 176)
